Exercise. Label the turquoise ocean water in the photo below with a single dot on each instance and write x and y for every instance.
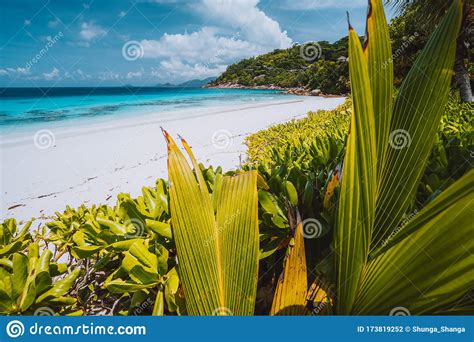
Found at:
(33, 108)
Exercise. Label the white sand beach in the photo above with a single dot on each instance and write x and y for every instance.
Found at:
(92, 163)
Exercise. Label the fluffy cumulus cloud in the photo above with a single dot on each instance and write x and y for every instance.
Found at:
(90, 31)
(134, 74)
(14, 72)
(245, 17)
(169, 69)
(51, 75)
(203, 46)
(236, 30)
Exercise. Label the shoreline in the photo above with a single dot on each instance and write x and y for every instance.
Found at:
(300, 91)
(91, 163)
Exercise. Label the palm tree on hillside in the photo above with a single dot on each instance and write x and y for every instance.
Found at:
(428, 13)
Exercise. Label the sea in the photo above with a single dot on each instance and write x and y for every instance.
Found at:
(33, 108)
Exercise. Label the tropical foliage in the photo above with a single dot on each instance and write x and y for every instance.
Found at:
(360, 210)
(316, 65)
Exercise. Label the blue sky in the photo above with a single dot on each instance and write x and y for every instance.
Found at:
(118, 42)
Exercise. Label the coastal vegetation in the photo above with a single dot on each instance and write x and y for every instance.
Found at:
(323, 65)
(343, 212)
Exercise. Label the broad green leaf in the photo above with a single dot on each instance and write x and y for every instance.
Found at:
(20, 274)
(140, 264)
(159, 306)
(431, 265)
(356, 208)
(378, 49)
(217, 253)
(171, 289)
(290, 293)
(57, 269)
(121, 286)
(160, 228)
(416, 116)
(42, 277)
(122, 245)
(61, 287)
(10, 248)
(269, 203)
(84, 252)
(291, 193)
(116, 228)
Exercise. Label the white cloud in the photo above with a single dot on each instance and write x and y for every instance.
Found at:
(245, 17)
(51, 75)
(108, 76)
(54, 23)
(176, 71)
(27, 22)
(14, 71)
(236, 30)
(203, 46)
(90, 31)
(77, 74)
(320, 4)
(136, 74)
(122, 14)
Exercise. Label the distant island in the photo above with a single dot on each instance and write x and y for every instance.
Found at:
(313, 68)
(195, 83)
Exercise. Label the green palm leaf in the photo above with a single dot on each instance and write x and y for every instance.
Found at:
(217, 253)
(431, 261)
(378, 50)
(416, 116)
(356, 208)
(292, 285)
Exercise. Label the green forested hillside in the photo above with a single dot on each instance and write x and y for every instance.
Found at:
(294, 67)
